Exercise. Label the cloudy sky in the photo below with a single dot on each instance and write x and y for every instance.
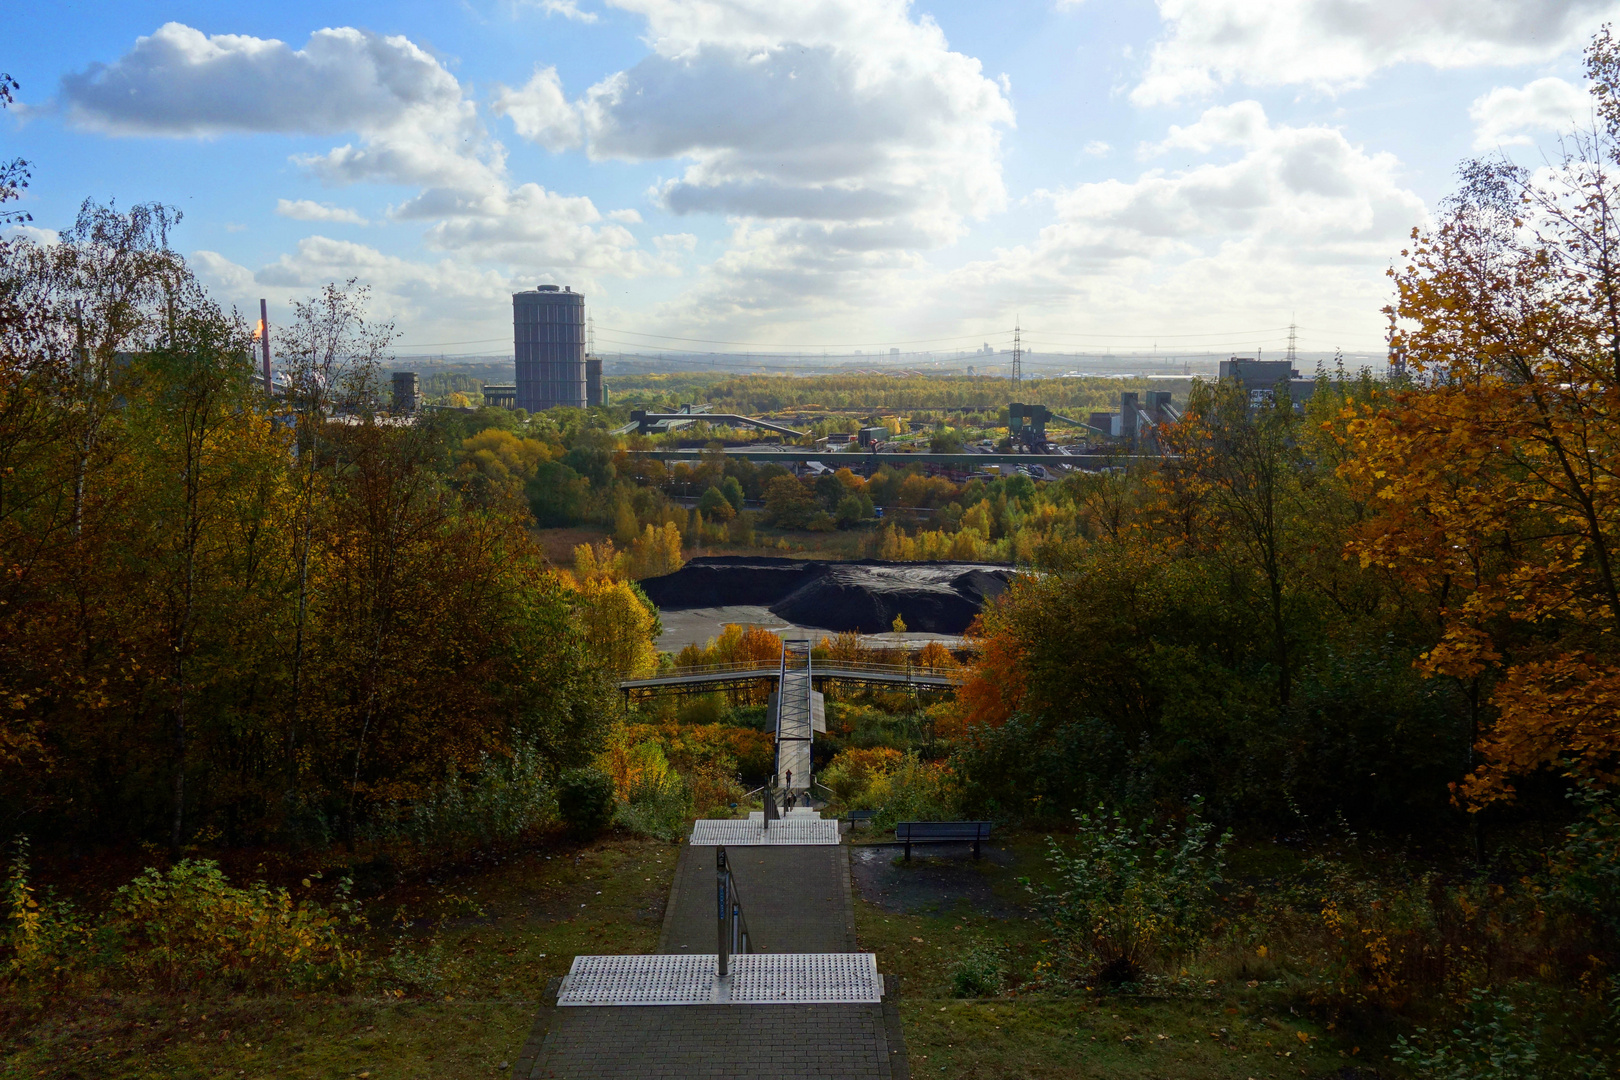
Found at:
(1113, 174)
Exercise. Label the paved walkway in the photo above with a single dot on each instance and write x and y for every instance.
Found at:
(797, 899)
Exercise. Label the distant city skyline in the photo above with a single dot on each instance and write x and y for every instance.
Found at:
(749, 175)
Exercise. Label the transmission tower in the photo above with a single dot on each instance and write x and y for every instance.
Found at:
(1018, 361)
(1293, 340)
(590, 336)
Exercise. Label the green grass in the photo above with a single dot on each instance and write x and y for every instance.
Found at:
(501, 933)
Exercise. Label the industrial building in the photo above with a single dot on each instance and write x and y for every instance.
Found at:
(1261, 378)
(595, 390)
(407, 392)
(500, 395)
(548, 338)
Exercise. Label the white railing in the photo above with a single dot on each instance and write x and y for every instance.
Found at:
(824, 666)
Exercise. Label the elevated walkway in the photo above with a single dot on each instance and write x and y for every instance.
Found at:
(705, 680)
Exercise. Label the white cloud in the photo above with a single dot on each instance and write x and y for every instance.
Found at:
(1302, 219)
(1239, 124)
(1303, 189)
(415, 124)
(33, 233)
(1335, 44)
(1506, 115)
(625, 217)
(675, 243)
(568, 10)
(540, 111)
(310, 210)
(529, 228)
(222, 275)
(839, 111)
(1097, 148)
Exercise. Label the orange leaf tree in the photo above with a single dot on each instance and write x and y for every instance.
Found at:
(1497, 471)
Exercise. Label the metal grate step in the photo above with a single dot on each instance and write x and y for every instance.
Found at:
(755, 979)
(791, 830)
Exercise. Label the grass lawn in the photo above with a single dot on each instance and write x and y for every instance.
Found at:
(503, 930)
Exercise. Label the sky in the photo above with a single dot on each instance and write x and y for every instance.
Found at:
(758, 175)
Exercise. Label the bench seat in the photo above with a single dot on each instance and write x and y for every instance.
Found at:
(939, 832)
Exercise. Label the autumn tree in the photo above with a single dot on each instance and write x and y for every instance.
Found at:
(14, 173)
(1497, 473)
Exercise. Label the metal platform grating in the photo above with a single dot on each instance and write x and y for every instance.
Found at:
(787, 831)
(805, 978)
(676, 979)
(755, 979)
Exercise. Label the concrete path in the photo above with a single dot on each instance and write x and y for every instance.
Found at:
(797, 899)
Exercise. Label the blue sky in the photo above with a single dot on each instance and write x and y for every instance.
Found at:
(816, 174)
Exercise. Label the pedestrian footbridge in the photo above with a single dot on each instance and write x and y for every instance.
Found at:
(708, 679)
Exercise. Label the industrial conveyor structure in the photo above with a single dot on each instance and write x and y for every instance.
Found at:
(643, 422)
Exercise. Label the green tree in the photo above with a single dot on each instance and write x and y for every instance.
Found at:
(788, 504)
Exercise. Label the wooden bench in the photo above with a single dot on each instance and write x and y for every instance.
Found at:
(855, 817)
(939, 832)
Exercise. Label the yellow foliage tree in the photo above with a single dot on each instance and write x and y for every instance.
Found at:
(657, 551)
(1497, 475)
(620, 628)
(592, 562)
(499, 463)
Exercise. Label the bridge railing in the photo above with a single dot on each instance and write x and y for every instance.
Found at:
(774, 667)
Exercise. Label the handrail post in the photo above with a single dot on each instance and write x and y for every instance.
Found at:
(721, 873)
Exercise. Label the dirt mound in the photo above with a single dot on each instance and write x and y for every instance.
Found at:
(932, 597)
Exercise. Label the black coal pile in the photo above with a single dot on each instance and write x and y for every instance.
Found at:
(931, 597)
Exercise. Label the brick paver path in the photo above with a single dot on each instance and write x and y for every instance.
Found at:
(797, 899)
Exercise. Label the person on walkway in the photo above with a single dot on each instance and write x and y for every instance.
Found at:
(787, 792)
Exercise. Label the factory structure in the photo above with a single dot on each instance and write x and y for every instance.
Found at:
(1262, 378)
(548, 338)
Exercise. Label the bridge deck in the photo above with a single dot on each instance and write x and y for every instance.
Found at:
(717, 679)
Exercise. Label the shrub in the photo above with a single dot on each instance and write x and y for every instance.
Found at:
(1588, 867)
(188, 926)
(585, 800)
(916, 790)
(656, 800)
(502, 801)
(1128, 896)
(980, 971)
(851, 774)
(1387, 939)
(44, 938)
(1492, 1042)
(185, 928)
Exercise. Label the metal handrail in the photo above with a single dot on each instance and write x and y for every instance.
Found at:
(731, 926)
(775, 665)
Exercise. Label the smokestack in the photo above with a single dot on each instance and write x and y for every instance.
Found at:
(264, 342)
